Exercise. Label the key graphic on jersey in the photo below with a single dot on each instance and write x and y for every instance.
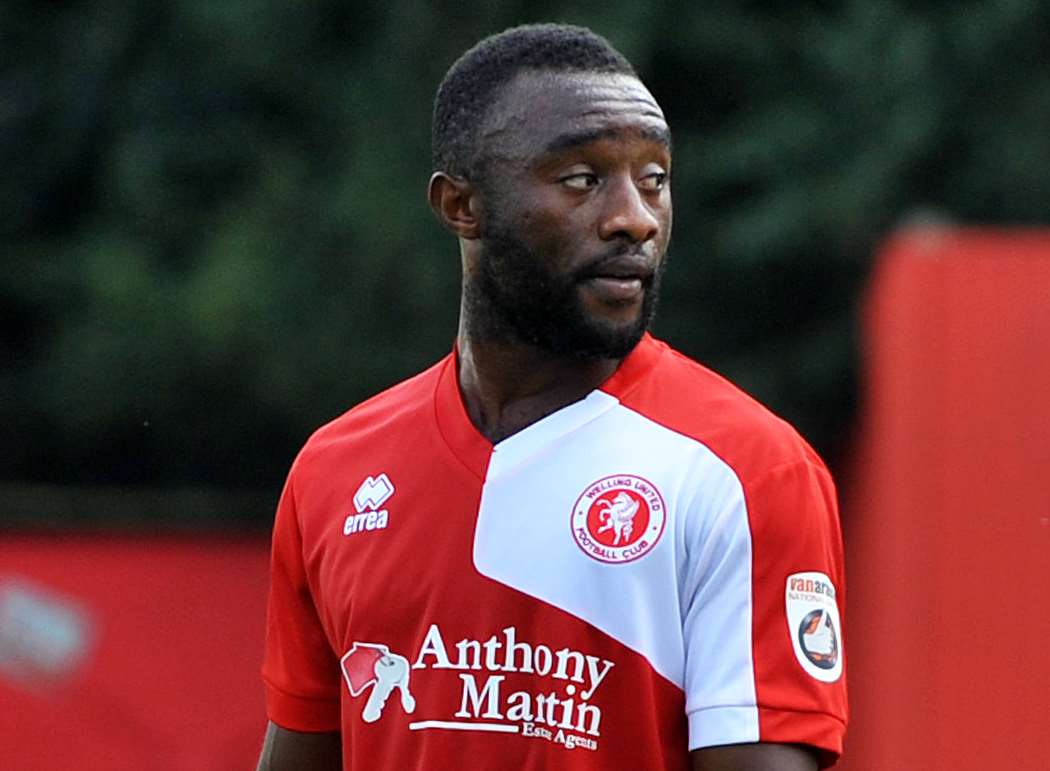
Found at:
(372, 493)
(373, 664)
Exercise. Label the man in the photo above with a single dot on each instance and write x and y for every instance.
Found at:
(565, 546)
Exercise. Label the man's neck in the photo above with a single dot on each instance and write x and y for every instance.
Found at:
(508, 386)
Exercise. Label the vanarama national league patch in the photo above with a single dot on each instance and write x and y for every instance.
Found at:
(814, 625)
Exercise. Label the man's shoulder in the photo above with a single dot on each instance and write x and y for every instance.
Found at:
(400, 409)
(691, 399)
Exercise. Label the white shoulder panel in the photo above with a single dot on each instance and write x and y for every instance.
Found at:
(664, 568)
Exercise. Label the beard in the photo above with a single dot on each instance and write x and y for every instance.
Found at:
(514, 297)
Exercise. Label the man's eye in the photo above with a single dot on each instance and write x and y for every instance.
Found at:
(580, 181)
(654, 182)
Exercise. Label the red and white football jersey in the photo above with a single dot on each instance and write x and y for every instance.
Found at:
(655, 568)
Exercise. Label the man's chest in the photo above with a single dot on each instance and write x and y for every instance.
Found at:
(585, 534)
(540, 603)
(591, 525)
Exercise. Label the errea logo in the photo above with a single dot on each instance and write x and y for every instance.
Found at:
(372, 494)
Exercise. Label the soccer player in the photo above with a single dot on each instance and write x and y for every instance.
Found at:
(564, 546)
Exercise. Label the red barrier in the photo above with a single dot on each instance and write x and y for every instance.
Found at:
(948, 517)
(123, 654)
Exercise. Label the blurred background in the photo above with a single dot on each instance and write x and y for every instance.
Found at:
(215, 239)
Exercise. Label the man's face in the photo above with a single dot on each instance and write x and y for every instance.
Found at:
(575, 213)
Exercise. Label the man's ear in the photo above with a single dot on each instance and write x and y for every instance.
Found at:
(455, 203)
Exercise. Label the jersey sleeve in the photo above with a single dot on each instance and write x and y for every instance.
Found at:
(300, 671)
(763, 616)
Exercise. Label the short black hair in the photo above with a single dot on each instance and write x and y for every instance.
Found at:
(473, 83)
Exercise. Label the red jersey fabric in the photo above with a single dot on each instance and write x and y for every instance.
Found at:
(653, 569)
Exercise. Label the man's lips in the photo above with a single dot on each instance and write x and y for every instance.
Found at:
(619, 268)
(617, 290)
(619, 279)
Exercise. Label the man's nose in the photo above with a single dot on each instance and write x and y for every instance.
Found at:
(626, 214)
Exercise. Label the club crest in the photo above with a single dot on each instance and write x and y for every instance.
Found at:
(618, 519)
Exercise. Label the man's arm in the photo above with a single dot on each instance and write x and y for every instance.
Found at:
(300, 671)
(754, 757)
(285, 750)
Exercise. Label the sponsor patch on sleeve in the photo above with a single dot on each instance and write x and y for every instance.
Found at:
(813, 622)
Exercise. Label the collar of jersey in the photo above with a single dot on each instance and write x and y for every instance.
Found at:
(477, 453)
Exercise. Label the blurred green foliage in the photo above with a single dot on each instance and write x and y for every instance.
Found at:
(215, 236)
